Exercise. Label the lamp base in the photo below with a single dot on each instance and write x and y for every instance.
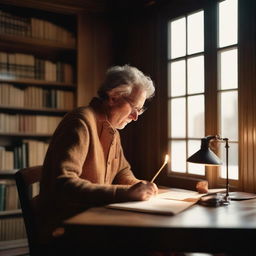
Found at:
(217, 199)
(236, 196)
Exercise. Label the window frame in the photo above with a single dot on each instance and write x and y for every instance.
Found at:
(211, 91)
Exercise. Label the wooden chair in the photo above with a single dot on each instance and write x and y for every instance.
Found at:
(25, 178)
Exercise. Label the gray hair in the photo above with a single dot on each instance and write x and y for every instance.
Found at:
(124, 79)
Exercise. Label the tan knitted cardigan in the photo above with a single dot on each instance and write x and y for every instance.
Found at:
(83, 163)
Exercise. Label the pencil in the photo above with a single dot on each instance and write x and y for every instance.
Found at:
(165, 162)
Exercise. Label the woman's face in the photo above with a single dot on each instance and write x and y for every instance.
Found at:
(125, 109)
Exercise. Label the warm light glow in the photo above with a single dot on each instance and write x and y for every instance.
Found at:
(166, 158)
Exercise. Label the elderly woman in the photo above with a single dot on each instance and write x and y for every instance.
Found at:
(85, 165)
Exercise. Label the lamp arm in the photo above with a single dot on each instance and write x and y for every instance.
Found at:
(227, 179)
(227, 171)
(206, 140)
(210, 137)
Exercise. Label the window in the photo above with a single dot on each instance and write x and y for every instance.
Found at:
(228, 82)
(186, 90)
(187, 85)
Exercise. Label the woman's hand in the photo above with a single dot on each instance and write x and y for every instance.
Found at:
(141, 191)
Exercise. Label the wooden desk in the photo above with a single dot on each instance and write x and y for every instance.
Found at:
(198, 229)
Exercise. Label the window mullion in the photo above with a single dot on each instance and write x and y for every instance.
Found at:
(211, 120)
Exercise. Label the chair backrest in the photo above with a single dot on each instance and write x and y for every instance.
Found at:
(25, 178)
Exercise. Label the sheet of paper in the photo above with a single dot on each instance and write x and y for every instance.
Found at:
(169, 201)
(180, 195)
(154, 205)
(184, 194)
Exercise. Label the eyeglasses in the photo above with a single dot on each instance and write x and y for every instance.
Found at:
(139, 111)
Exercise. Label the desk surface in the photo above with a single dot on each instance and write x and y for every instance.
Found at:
(197, 229)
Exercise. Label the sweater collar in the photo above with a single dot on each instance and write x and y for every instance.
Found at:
(97, 105)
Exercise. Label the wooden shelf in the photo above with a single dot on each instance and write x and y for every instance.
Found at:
(14, 247)
(13, 243)
(16, 110)
(34, 42)
(26, 135)
(8, 173)
(26, 82)
(12, 213)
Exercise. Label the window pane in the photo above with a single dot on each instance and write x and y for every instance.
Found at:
(196, 32)
(178, 156)
(227, 23)
(178, 121)
(177, 38)
(177, 78)
(196, 116)
(228, 115)
(169, 118)
(228, 69)
(196, 74)
(232, 163)
(193, 147)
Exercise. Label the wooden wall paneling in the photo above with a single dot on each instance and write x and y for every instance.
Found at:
(140, 139)
(254, 95)
(161, 113)
(63, 6)
(43, 5)
(247, 97)
(94, 44)
(211, 126)
(243, 111)
(253, 91)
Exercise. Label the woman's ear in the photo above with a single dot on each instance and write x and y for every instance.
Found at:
(115, 94)
(112, 97)
(112, 100)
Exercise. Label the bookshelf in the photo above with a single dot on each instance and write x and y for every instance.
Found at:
(38, 58)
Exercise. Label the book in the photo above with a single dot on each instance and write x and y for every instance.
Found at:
(168, 202)
(2, 195)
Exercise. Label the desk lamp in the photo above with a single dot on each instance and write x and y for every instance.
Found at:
(206, 156)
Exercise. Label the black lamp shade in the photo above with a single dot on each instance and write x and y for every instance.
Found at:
(205, 155)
